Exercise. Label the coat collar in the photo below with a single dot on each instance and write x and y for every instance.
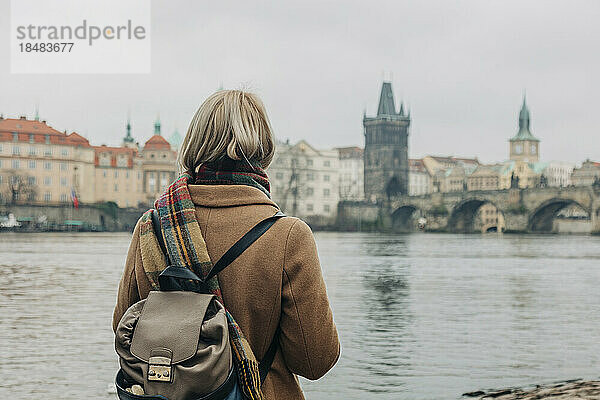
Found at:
(228, 195)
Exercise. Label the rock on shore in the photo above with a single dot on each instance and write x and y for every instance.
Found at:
(573, 389)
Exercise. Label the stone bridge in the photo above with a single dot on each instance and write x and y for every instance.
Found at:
(524, 210)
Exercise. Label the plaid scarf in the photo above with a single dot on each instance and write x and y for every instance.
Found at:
(187, 249)
(227, 171)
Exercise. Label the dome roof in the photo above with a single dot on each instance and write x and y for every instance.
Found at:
(157, 142)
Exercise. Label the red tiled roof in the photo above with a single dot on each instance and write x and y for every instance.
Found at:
(114, 151)
(157, 142)
(38, 131)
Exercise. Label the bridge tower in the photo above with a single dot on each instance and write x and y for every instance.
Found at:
(386, 148)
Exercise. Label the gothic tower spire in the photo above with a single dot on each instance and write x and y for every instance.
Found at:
(386, 100)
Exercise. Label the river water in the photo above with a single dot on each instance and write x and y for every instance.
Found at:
(421, 316)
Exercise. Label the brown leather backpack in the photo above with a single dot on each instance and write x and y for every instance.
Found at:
(175, 343)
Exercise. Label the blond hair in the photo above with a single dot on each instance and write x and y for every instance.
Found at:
(232, 123)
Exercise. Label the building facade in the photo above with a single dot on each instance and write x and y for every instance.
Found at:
(158, 165)
(118, 176)
(587, 174)
(351, 173)
(386, 149)
(419, 180)
(485, 177)
(41, 165)
(558, 173)
(449, 174)
(305, 181)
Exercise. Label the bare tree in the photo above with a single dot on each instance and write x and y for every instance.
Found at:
(21, 187)
(295, 184)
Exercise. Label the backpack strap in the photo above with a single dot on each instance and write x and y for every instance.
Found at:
(265, 364)
(241, 245)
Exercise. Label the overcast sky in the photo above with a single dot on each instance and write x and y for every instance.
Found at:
(461, 66)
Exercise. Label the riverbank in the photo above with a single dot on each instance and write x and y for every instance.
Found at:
(571, 389)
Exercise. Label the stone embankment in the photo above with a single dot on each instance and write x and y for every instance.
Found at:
(572, 389)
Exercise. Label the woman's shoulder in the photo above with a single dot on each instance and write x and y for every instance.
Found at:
(295, 229)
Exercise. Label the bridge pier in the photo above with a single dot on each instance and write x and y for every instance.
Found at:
(515, 223)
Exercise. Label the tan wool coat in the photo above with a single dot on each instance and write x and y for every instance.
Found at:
(276, 282)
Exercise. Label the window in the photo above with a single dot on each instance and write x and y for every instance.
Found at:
(309, 162)
(518, 148)
(63, 166)
(104, 174)
(325, 192)
(63, 181)
(127, 174)
(47, 165)
(32, 151)
(122, 161)
(116, 187)
(31, 139)
(48, 151)
(1, 179)
(48, 181)
(326, 208)
(310, 191)
(47, 138)
(16, 150)
(327, 163)
(309, 207)
(310, 176)
(116, 174)
(64, 152)
(63, 198)
(104, 160)
(326, 178)
(16, 164)
(31, 180)
(15, 137)
(32, 164)
(47, 196)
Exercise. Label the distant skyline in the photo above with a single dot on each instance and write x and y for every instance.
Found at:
(462, 67)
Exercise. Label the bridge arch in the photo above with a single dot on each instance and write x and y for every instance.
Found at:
(462, 216)
(542, 218)
(404, 218)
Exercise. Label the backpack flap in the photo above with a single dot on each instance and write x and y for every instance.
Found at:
(170, 321)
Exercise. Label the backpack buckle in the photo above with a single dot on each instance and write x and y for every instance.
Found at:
(159, 369)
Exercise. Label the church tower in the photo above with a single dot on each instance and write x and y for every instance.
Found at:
(524, 146)
(128, 140)
(386, 149)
